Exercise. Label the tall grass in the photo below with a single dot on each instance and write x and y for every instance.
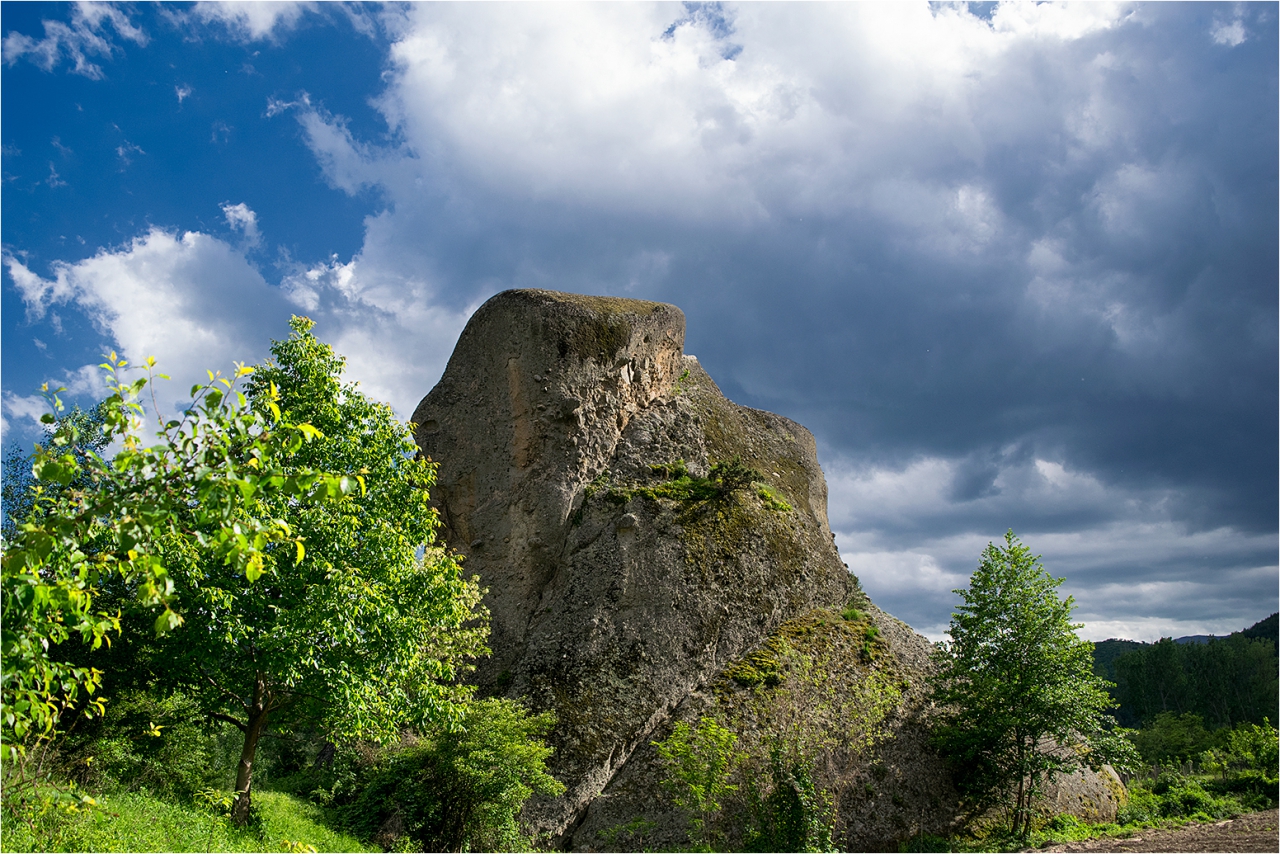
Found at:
(138, 821)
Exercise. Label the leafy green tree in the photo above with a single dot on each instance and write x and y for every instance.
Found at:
(1021, 702)
(1172, 737)
(92, 523)
(18, 491)
(1254, 747)
(795, 815)
(699, 760)
(365, 625)
(459, 790)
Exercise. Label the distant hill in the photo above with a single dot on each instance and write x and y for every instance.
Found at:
(1268, 628)
(1106, 652)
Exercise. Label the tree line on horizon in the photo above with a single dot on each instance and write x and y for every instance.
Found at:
(1224, 681)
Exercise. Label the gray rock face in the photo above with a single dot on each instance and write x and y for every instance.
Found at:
(646, 543)
(576, 446)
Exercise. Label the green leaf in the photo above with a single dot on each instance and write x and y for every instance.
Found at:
(167, 622)
(253, 567)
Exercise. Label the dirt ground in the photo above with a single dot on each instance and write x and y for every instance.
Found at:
(1253, 832)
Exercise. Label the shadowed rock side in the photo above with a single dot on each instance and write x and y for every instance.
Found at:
(844, 694)
(576, 447)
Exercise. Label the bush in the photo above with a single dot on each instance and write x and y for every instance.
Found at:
(1173, 796)
(794, 815)
(1254, 748)
(150, 741)
(699, 760)
(452, 791)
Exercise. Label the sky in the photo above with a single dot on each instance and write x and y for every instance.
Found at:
(1014, 265)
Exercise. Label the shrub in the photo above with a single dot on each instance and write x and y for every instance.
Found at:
(794, 815)
(452, 791)
(1177, 797)
(1172, 738)
(699, 760)
(149, 740)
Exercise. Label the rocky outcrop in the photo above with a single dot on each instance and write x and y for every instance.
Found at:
(647, 546)
(576, 445)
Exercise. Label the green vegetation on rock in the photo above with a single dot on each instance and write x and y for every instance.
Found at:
(677, 484)
(700, 760)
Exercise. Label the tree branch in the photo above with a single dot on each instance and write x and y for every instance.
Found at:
(223, 690)
(219, 716)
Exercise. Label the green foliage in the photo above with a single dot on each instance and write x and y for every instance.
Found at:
(852, 614)
(1105, 654)
(458, 790)
(18, 491)
(149, 740)
(94, 523)
(1225, 681)
(772, 499)
(630, 835)
(1021, 702)
(699, 760)
(366, 629)
(138, 821)
(1173, 796)
(1254, 748)
(792, 814)
(1173, 738)
(1245, 764)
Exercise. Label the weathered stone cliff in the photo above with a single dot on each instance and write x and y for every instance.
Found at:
(648, 545)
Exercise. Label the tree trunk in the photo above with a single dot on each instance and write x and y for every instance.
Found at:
(258, 712)
(1017, 807)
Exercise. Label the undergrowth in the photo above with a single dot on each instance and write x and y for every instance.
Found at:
(1170, 801)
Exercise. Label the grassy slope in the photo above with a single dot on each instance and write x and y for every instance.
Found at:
(137, 822)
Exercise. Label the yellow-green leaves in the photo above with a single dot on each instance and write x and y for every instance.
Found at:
(87, 519)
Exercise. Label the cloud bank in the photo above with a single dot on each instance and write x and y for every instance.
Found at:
(1014, 270)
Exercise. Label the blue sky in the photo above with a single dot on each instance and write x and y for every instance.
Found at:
(1014, 265)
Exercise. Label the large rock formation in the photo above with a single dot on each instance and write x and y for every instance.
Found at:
(648, 547)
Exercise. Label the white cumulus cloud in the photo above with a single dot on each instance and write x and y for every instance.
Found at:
(250, 20)
(242, 218)
(190, 300)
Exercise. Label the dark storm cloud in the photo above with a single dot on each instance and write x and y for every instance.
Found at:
(1072, 261)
